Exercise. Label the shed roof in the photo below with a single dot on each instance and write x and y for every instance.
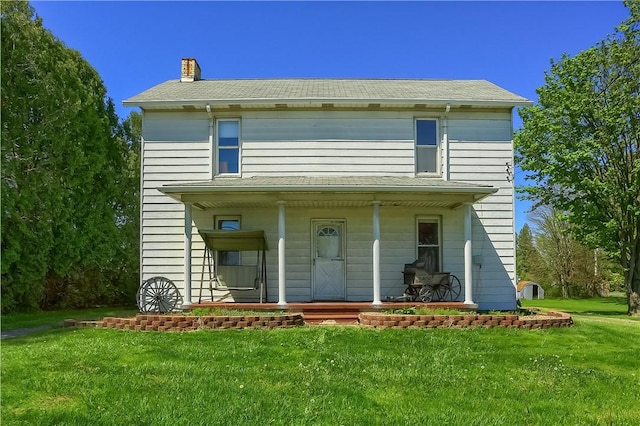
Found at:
(288, 90)
(523, 284)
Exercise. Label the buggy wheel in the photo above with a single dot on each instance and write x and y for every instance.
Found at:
(425, 294)
(441, 289)
(158, 294)
(454, 287)
(410, 293)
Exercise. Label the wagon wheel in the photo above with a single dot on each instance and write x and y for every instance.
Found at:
(426, 293)
(441, 290)
(411, 293)
(454, 287)
(158, 294)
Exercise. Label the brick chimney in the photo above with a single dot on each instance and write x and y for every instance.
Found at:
(190, 70)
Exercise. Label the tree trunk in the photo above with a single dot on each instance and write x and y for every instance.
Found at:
(632, 281)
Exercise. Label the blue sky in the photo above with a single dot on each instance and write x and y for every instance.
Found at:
(136, 45)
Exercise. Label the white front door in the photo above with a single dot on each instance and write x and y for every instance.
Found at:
(328, 269)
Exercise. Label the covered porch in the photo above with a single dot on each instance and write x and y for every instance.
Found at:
(338, 312)
(375, 197)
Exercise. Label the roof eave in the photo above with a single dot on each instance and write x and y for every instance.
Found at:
(174, 103)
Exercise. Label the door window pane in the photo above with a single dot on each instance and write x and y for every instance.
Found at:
(328, 243)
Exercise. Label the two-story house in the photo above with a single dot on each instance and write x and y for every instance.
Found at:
(341, 181)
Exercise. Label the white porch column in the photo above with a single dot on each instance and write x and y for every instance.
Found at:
(187, 255)
(282, 302)
(376, 254)
(468, 262)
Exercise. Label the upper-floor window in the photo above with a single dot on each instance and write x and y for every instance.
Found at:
(427, 152)
(228, 147)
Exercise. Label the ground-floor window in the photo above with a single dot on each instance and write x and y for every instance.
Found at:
(228, 223)
(429, 243)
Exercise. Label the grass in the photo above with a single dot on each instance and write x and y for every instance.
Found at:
(231, 312)
(18, 320)
(584, 375)
(422, 310)
(610, 307)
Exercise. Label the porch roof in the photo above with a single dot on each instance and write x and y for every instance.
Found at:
(330, 191)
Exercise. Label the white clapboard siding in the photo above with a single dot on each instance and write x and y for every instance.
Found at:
(358, 143)
(327, 145)
(176, 149)
(480, 150)
(314, 128)
(480, 130)
(175, 126)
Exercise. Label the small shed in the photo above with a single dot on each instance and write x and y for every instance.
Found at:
(529, 290)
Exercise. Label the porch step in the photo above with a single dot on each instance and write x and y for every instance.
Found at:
(337, 313)
(336, 318)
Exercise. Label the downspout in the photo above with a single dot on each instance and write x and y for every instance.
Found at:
(445, 142)
(211, 150)
(141, 203)
(513, 211)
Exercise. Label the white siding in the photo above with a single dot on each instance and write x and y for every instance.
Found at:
(321, 143)
(176, 149)
(479, 151)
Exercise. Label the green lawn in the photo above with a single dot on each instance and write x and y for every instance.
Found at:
(35, 319)
(584, 375)
(610, 307)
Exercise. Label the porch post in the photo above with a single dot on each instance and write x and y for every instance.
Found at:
(282, 302)
(376, 254)
(187, 255)
(468, 264)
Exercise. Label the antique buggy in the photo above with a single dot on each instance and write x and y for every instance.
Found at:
(426, 286)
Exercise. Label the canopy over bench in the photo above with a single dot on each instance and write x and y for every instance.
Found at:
(224, 240)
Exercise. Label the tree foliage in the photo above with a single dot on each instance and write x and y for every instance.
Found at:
(64, 163)
(580, 146)
(564, 263)
(527, 256)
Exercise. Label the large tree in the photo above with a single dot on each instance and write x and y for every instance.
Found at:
(62, 163)
(580, 146)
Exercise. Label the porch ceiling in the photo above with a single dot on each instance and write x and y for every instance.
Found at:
(309, 192)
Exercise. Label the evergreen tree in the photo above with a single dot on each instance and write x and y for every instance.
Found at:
(61, 170)
(527, 256)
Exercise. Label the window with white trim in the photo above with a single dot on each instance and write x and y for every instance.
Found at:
(427, 146)
(228, 147)
(428, 243)
(228, 223)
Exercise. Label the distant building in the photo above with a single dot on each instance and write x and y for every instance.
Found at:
(529, 290)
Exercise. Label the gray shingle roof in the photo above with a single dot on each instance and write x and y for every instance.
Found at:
(327, 90)
(319, 183)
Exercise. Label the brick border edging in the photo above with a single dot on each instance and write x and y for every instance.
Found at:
(178, 323)
(144, 322)
(381, 320)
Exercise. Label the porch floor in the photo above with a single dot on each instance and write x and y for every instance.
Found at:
(330, 312)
